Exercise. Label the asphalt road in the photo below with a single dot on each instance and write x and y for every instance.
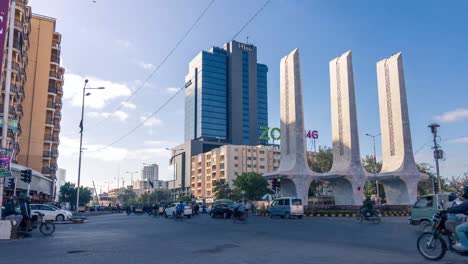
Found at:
(144, 239)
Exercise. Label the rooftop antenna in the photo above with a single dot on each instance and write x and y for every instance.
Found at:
(247, 39)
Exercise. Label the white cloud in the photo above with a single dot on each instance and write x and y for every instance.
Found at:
(172, 90)
(453, 116)
(124, 43)
(459, 140)
(128, 105)
(121, 115)
(146, 66)
(98, 98)
(69, 148)
(151, 122)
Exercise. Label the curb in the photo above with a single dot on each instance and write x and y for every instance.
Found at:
(389, 214)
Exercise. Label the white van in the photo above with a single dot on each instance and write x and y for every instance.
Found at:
(287, 207)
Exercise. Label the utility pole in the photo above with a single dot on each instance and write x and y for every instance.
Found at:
(438, 154)
(374, 170)
(6, 103)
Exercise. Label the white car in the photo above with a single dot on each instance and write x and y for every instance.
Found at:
(171, 210)
(51, 213)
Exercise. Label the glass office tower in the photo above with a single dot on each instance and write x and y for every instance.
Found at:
(226, 95)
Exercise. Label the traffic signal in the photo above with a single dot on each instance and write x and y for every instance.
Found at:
(11, 183)
(278, 184)
(26, 175)
(273, 183)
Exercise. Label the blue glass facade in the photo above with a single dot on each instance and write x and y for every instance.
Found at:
(262, 99)
(245, 99)
(206, 105)
(213, 122)
(221, 103)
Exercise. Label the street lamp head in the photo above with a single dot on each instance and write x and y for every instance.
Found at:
(101, 88)
(88, 94)
(86, 80)
(367, 134)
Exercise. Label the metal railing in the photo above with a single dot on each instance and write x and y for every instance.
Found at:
(48, 137)
(50, 121)
(47, 154)
(52, 90)
(55, 59)
(51, 105)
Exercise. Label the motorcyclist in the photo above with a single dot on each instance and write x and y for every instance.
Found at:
(368, 207)
(180, 208)
(462, 229)
(239, 210)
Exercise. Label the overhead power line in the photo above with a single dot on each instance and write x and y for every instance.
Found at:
(139, 87)
(181, 88)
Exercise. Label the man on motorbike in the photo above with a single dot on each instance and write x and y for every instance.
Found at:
(368, 207)
(180, 208)
(462, 229)
(239, 210)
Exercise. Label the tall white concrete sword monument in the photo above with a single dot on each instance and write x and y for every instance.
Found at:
(346, 175)
(294, 171)
(399, 174)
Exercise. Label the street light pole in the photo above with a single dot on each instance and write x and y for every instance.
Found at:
(131, 175)
(172, 160)
(375, 166)
(81, 140)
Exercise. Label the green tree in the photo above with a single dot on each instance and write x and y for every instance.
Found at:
(127, 196)
(68, 194)
(456, 183)
(426, 186)
(160, 195)
(221, 189)
(323, 160)
(371, 166)
(253, 184)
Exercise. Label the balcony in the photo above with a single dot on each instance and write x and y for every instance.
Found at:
(55, 59)
(56, 140)
(58, 102)
(48, 138)
(55, 45)
(59, 90)
(46, 170)
(57, 127)
(11, 112)
(15, 66)
(58, 115)
(52, 90)
(51, 106)
(47, 154)
(50, 122)
(55, 75)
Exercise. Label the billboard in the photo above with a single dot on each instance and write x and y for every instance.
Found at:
(5, 162)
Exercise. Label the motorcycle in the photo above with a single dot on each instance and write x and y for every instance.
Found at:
(239, 216)
(373, 216)
(432, 245)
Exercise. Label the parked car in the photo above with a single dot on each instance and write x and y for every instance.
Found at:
(287, 207)
(223, 208)
(171, 210)
(51, 213)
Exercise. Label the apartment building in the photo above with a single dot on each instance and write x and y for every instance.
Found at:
(43, 103)
(22, 28)
(227, 162)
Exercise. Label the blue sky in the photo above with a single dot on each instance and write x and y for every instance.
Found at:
(117, 43)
